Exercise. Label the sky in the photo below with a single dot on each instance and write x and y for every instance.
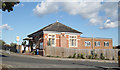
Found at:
(94, 19)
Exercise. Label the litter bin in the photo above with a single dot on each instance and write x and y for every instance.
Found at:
(118, 58)
(37, 51)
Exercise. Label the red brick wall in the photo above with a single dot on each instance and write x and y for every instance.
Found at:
(45, 36)
(92, 40)
(62, 40)
(102, 44)
(57, 40)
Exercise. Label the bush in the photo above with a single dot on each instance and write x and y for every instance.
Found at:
(69, 56)
(113, 58)
(82, 56)
(101, 56)
(57, 56)
(33, 52)
(78, 56)
(90, 57)
(107, 59)
(96, 56)
(74, 55)
(48, 56)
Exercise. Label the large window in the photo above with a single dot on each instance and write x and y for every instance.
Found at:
(87, 43)
(97, 43)
(73, 41)
(106, 43)
(51, 40)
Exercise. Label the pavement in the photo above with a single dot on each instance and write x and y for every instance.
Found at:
(27, 61)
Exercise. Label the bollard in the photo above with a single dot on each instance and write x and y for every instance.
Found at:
(118, 58)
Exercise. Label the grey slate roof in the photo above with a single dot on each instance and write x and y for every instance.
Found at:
(57, 26)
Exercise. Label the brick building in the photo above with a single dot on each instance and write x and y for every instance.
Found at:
(60, 35)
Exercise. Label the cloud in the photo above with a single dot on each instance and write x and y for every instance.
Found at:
(16, 5)
(109, 24)
(6, 27)
(45, 8)
(87, 10)
(19, 5)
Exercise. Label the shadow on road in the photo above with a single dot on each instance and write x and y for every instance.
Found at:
(3, 56)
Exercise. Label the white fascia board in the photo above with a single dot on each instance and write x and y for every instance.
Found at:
(55, 32)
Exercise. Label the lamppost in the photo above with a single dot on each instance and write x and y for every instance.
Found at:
(17, 39)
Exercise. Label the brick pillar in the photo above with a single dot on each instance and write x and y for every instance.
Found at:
(63, 40)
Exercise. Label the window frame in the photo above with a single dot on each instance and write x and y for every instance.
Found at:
(96, 45)
(87, 44)
(50, 37)
(75, 40)
(105, 44)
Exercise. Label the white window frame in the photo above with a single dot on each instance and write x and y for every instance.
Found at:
(87, 44)
(97, 45)
(106, 43)
(53, 45)
(74, 39)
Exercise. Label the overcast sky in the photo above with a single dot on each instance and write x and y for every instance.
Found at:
(97, 19)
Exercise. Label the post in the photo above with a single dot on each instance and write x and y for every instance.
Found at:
(92, 42)
(17, 39)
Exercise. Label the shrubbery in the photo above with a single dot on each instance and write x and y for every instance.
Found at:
(69, 56)
(102, 56)
(90, 57)
(82, 56)
(74, 56)
(78, 56)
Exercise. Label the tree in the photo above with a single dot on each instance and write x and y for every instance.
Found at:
(13, 44)
(4, 5)
(2, 43)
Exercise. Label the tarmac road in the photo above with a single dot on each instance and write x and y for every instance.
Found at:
(28, 62)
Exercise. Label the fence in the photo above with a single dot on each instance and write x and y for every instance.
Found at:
(66, 52)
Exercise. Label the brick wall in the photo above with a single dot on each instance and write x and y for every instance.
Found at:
(62, 40)
(92, 40)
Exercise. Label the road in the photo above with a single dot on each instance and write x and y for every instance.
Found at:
(28, 62)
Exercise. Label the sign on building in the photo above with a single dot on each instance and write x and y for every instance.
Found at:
(17, 38)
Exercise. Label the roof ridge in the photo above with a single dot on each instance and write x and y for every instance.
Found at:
(50, 25)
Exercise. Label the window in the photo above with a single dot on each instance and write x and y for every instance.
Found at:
(72, 41)
(106, 43)
(87, 43)
(97, 43)
(51, 40)
(34, 46)
(41, 45)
